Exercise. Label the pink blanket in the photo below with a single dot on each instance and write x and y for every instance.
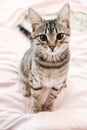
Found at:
(71, 104)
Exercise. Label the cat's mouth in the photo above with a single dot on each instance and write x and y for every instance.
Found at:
(52, 52)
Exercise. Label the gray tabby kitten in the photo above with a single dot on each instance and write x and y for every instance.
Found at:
(46, 63)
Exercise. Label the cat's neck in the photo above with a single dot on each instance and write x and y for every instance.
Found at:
(51, 64)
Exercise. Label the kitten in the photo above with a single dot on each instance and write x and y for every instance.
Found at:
(46, 63)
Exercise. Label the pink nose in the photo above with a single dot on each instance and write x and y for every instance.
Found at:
(52, 47)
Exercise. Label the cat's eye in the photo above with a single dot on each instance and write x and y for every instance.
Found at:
(60, 36)
(43, 37)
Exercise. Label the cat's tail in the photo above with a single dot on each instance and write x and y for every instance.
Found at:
(26, 32)
(25, 28)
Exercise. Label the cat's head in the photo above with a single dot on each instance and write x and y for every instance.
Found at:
(51, 36)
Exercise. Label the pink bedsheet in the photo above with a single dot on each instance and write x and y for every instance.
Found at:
(71, 104)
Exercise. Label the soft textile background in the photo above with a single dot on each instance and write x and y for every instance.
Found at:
(71, 105)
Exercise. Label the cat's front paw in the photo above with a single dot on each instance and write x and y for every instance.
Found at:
(36, 109)
(47, 108)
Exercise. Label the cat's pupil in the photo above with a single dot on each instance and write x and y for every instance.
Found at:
(59, 36)
(43, 37)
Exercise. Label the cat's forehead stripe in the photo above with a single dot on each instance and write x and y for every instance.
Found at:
(50, 26)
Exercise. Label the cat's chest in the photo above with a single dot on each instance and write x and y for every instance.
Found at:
(50, 77)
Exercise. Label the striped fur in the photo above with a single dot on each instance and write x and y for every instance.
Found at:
(46, 63)
(25, 31)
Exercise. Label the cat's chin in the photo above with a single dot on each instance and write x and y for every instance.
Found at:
(53, 52)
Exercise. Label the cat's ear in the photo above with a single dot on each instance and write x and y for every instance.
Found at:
(64, 15)
(35, 18)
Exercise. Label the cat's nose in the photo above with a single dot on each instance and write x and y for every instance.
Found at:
(52, 47)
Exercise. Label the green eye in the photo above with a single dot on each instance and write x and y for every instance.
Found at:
(59, 36)
(43, 37)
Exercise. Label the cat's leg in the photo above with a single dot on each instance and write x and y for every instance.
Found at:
(36, 99)
(49, 104)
